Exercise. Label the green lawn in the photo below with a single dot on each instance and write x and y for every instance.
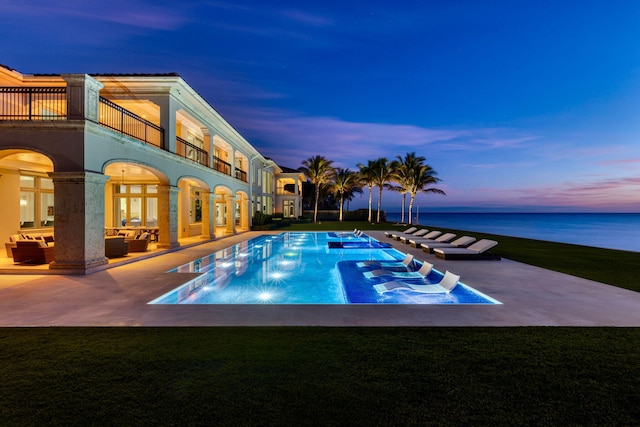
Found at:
(319, 376)
(335, 376)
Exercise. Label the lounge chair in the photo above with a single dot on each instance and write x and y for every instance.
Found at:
(406, 262)
(446, 285)
(434, 236)
(419, 233)
(422, 272)
(392, 234)
(479, 250)
(398, 236)
(460, 242)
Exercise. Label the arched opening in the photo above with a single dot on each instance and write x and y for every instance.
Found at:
(242, 211)
(28, 196)
(224, 211)
(131, 196)
(193, 208)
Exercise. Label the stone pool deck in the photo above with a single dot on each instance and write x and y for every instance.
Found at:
(118, 296)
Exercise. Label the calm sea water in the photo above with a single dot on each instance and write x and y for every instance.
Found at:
(609, 230)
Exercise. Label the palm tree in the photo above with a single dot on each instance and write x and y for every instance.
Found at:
(344, 181)
(382, 174)
(350, 194)
(402, 175)
(367, 178)
(422, 176)
(319, 171)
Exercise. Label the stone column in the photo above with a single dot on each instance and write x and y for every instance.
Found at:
(231, 215)
(168, 108)
(83, 94)
(168, 216)
(79, 221)
(205, 197)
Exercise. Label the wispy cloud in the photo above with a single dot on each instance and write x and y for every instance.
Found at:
(306, 18)
(135, 13)
(280, 132)
(606, 193)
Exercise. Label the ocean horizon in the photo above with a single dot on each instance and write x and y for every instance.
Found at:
(603, 230)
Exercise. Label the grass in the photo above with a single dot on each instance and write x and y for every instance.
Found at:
(319, 376)
(335, 376)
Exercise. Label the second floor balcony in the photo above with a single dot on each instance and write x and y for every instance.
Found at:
(50, 103)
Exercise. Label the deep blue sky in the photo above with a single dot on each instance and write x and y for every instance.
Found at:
(518, 105)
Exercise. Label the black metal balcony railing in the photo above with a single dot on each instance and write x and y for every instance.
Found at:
(117, 118)
(50, 103)
(33, 103)
(192, 152)
(241, 175)
(221, 166)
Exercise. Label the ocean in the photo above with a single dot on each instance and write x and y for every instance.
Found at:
(602, 230)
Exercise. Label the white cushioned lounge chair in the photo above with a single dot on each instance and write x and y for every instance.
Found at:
(406, 263)
(479, 250)
(392, 234)
(460, 242)
(434, 236)
(446, 285)
(418, 233)
(422, 272)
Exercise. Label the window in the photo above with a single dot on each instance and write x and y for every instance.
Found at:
(289, 208)
(135, 205)
(36, 201)
(195, 210)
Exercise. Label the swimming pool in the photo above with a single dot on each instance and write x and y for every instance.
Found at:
(302, 268)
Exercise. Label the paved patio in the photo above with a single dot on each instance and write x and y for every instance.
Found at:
(118, 296)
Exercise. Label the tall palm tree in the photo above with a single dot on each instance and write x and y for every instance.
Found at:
(350, 194)
(344, 181)
(366, 175)
(382, 174)
(422, 176)
(402, 175)
(320, 172)
(400, 188)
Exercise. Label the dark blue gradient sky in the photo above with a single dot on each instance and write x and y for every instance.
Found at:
(518, 105)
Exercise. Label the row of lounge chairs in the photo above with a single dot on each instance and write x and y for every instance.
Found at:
(444, 246)
(398, 278)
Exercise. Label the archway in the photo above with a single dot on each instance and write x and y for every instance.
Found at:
(28, 195)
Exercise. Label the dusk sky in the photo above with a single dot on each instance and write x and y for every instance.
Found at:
(518, 105)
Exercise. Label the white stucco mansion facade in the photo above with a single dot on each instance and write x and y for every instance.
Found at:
(80, 154)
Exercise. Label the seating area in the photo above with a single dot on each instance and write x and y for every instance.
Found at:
(424, 280)
(413, 276)
(444, 247)
(45, 237)
(33, 252)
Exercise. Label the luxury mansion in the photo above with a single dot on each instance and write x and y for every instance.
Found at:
(84, 158)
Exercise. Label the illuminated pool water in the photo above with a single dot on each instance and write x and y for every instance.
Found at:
(301, 268)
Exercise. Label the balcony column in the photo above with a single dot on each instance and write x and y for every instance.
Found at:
(168, 108)
(83, 95)
(232, 161)
(168, 216)
(79, 221)
(207, 231)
